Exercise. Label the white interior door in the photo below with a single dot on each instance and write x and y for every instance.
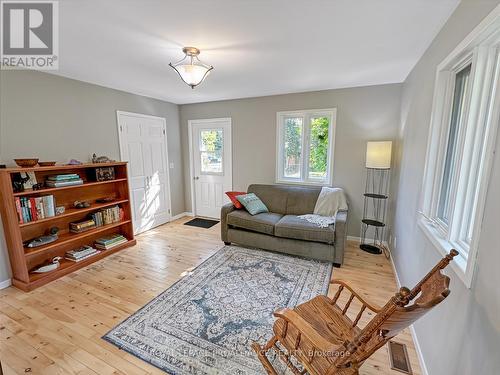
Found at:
(143, 144)
(211, 168)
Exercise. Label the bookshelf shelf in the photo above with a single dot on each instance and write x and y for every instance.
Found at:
(75, 211)
(70, 237)
(67, 266)
(51, 190)
(22, 259)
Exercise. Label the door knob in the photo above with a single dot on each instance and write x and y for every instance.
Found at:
(196, 178)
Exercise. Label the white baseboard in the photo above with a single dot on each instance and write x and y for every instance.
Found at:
(5, 284)
(181, 215)
(420, 355)
(358, 240)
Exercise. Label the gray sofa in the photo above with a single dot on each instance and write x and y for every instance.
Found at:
(280, 229)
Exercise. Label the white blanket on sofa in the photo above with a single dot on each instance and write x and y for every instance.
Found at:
(330, 201)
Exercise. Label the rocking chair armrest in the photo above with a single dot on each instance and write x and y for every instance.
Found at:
(306, 330)
(372, 306)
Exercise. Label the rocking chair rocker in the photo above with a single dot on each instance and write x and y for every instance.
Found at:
(320, 337)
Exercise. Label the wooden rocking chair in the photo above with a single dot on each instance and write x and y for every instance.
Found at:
(319, 338)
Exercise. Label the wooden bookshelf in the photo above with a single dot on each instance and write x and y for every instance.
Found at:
(23, 259)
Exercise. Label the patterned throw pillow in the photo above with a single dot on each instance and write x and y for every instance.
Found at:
(232, 195)
(252, 203)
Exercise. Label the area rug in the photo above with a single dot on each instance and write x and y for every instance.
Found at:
(205, 323)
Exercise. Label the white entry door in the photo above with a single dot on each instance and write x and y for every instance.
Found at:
(211, 168)
(143, 144)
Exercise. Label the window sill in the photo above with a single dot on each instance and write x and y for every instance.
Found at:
(296, 182)
(443, 247)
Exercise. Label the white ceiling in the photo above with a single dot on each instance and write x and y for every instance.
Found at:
(257, 47)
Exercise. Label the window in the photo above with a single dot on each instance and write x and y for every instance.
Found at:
(464, 122)
(305, 142)
(211, 151)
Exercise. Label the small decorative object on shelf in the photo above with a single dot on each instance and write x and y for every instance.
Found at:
(81, 204)
(101, 159)
(74, 162)
(378, 164)
(49, 267)
(18, 182)
(46, 163)
(26, 163)
(44, 240)
(105, 199)
(105, 174)
(60, 210)
(38, 186)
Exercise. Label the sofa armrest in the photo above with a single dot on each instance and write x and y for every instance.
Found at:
(340, 233)
(224, 211)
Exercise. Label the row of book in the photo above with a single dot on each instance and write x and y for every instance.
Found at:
(103, 243)
(98, 219)
(108, 216)
(36, 208)
(61, 180)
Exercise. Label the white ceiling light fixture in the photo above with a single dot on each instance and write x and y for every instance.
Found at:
(191, 70)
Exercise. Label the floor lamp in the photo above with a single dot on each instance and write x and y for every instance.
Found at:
(378, 165)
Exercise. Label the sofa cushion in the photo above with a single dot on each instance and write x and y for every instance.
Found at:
(262, 223)
(252, 203)
(286, 199)
(290, 226)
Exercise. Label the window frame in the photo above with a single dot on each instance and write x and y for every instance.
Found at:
(331, 113)
(475, 145)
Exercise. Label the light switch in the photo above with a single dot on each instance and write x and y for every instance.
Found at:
(171, 165)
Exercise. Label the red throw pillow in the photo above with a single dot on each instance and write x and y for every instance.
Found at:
(232, 195)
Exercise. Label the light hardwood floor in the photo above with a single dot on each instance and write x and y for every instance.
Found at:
(57, 328)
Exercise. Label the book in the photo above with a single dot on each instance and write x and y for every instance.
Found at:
(19, 211)
(112, 245)
(80, 252)
(49, 205)
(62, 177)
(40, 213)
(33, 212)
(110, 239)
(64, 183)
(82, 226)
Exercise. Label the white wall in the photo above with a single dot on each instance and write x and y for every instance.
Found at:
(462, 335)
(56, 118)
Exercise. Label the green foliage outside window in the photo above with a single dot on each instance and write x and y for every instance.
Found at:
(318, 153)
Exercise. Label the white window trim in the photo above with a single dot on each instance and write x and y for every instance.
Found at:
(481, 47)
(328, 112)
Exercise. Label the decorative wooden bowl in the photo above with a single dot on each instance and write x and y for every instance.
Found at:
(46, 163)
(26, 163)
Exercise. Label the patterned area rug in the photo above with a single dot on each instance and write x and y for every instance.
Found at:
(205, 323)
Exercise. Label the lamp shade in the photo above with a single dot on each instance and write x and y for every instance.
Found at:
(378, 155)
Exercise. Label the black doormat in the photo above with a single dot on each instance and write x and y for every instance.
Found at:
(201, 223)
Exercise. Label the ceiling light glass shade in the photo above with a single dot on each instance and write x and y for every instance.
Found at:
(378, 155)
(191, 70)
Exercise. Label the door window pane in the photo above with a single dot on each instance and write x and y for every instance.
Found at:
(318, 147)
(293, 147)
(211, 144)
(457, 113)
